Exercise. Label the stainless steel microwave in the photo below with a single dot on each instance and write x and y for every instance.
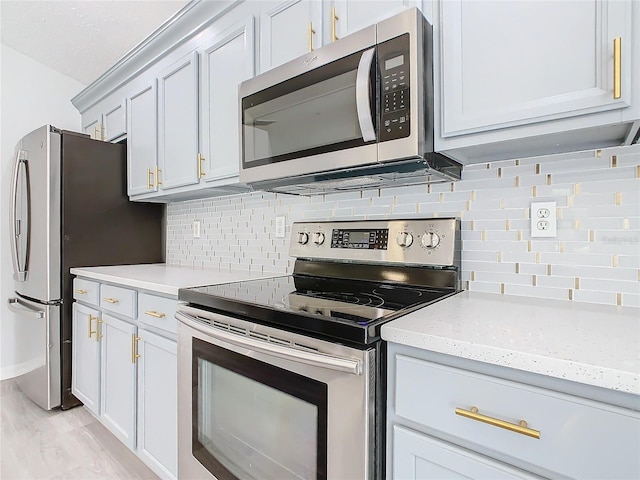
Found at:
(353, 114)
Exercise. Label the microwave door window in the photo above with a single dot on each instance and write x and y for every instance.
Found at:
(313, 113)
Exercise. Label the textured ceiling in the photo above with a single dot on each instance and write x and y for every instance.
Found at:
(81, 39)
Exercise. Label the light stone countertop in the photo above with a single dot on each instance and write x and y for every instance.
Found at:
(162, 278)
(587, 343)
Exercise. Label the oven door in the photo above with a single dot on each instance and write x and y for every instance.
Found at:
(311, 114)
(251, 405)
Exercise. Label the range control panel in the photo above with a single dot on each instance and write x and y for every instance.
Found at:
(434, 241)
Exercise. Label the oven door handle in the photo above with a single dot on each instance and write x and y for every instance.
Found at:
(322, 360)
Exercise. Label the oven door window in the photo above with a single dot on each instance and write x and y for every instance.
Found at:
(252, 420)
(327, 109)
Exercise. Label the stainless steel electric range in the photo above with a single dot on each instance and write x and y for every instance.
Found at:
(284, 377)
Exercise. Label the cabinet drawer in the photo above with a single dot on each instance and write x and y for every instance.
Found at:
(571, 429)
(157, 311)
(86, 290)
(118, 300)
(417, 456)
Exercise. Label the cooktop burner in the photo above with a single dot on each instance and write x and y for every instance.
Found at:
(331, 307)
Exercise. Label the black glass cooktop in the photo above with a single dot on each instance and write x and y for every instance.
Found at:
(348, 310)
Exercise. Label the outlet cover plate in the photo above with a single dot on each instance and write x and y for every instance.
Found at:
(543, 220)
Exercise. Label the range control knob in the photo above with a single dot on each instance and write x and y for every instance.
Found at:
(404, 239)
(303, 238)
(430, 240)
(318, 238)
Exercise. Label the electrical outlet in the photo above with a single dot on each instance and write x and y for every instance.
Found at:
(280, 227)
(196, 229)
(543, 219)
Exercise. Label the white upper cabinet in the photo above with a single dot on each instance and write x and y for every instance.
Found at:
(509, 69)
(142, 166)
(225, 62)
(108, 121)
(178, 123)
(511, 62)
(288, 29)
(348, 16)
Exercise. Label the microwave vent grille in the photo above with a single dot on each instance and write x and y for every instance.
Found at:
(402, 173)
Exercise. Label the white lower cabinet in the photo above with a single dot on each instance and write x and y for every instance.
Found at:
(447, 421)
(157, 402)
(125, 370)
(118, 379)
(85, 356)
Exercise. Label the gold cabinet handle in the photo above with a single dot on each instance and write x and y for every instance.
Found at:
(111, 300)
(200, 160)
(334, 17)
(311, 34)
(149, 182)
(158, 182)
(134, 351)
(98, 334)
(153, 313)
(80, 291)
(518, 428)
(617, 60)
(91, 332)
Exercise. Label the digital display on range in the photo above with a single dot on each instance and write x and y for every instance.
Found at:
(376, 239)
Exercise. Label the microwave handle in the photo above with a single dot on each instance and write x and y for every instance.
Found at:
(363, 85)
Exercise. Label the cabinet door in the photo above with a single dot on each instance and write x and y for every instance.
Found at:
(142, 141)
(118, 378)
(178, 123)
(508, 63)
(114, 122)
(93, 128)
(226, 62)
(85, 356)
(354, 15)
(157, 403)
(288, 29)
(417, 456)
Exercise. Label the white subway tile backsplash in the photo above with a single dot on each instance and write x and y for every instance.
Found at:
(594, 258)
(595, 296)
(537, 291)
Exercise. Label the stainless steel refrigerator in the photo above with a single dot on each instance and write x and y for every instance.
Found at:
(69, 208)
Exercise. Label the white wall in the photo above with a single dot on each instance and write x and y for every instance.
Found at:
(32, 95)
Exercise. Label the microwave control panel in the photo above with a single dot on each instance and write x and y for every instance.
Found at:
(394, 67)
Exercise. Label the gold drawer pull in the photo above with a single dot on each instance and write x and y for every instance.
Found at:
(79, 291)
(153, 313)
(521, 428)
(111, 300)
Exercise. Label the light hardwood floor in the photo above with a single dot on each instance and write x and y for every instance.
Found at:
(36, 444)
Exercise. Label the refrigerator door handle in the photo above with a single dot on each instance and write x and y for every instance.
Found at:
(19, 227)
(15, 305)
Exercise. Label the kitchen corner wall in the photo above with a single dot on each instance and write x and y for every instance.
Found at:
(595, 257)
(32, 95)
